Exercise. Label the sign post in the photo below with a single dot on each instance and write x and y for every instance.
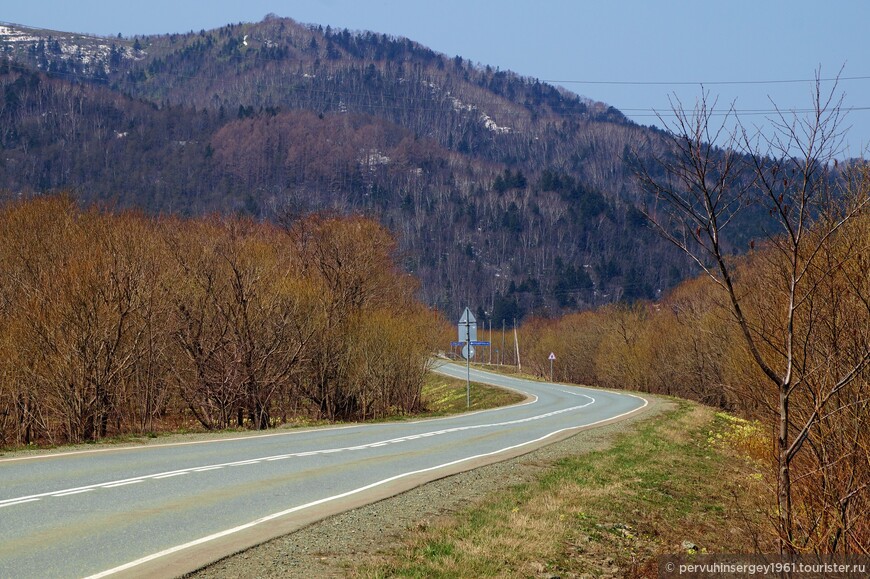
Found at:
(468, 334)
(552, 357)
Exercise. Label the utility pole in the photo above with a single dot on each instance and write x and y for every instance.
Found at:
(490, 342)
(501, 358)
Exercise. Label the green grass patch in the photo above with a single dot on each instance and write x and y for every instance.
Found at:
(443, 395)
(668, 483)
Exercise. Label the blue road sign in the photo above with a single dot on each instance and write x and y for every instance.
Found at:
(479, 343)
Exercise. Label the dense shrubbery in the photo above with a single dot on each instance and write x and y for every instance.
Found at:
(115, 324)
(689, 345)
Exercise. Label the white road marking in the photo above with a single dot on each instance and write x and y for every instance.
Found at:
(120, 484)
(170, 475)
(289, 511)
(66, 494)
(13, 503)
(569, 392)
(244, 462)
(188, 443)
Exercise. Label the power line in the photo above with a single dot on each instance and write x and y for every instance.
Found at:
(644, 112)
(705, 83)
(648, 112)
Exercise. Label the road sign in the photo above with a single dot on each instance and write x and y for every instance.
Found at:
(467, 316)
(552, 356)
(467, 330)
(456, 344)
(467, 327)
(479, 343)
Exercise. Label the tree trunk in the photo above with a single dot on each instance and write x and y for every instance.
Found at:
(784, 490)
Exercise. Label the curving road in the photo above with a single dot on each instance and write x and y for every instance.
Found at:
(163, 510)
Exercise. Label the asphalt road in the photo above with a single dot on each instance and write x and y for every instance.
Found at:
(165, 509)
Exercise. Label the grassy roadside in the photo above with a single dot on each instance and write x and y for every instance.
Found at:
(676, 483)
(443, 395)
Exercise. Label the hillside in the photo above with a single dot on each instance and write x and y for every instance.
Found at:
(503, 192)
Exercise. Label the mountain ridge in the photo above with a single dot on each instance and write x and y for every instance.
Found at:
(502, 191)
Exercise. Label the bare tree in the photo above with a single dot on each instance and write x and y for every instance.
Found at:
(717, 168)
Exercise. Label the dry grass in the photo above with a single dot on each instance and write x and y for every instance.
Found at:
(443, 395)
(678, 477)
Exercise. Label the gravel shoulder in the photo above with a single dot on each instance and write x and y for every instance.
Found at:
(329, 547)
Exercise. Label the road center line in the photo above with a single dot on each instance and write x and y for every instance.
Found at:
(377, 444)
(119, 484)
(73, 492)
(170, 475)
(22, 501)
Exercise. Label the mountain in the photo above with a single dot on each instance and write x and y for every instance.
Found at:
(505, 193)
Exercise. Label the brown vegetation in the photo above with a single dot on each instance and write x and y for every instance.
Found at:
(117, 324)
(804, 302)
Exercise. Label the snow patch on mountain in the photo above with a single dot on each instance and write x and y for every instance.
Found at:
(92, 53)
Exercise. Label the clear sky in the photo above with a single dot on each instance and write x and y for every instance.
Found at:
(630, 54)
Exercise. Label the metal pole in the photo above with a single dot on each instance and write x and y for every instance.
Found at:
(551, 369)
(501, 359)
(467, 362)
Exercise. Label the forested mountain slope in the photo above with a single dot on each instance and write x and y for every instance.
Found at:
(505, 193)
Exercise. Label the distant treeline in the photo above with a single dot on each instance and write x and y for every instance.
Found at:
(113, 324)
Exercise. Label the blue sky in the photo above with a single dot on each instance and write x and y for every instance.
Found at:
(662, 47)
